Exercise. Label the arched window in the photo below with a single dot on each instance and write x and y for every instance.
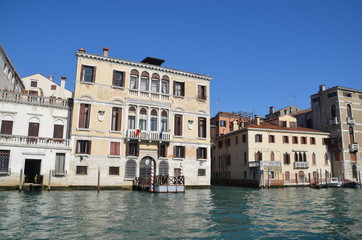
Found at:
(155, 83)
(314, 162)
(354, 171)
(33, 129)
(130, 169)
(300, 157)
(326, 161)
(144, 81)
(259, 156)
(164, 121)
(132, 118)
(351, 135)
(163, 168)
(154, 120)
(165, 84)
(333, 111)
(145, 167)
(7, 125)
(304, 157)
(143, 119)
(134, 79)
(295, 157)
(272, 156)
(287, 176)
(315, 179)
(301, 177)
(349, 111)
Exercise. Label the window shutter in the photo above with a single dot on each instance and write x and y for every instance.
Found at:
(33, 129)
(81, 72)
(111, 150)
(199, 128)
(122, 80)
(118, 150)
(58, 131)
(174, 88)
(198, 153)
(94, 74)
(127, 149)
(89, 147)
(199, 92)
(6, 127)
(81, 115)
(174, 152)
(114, 78)
(183, 151)
(159, 151)
(183, 89)
(180, 128)
(88, 116)
(119, 119)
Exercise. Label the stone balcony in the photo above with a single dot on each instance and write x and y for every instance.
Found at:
(149, 95)
(299, 165)
(353, 147)
(265, 164)
(149, 135)
(34, 142)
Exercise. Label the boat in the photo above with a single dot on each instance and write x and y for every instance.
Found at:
(350, 184)
(334, 182)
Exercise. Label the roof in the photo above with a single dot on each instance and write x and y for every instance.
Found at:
(154, 61)
(302, 111)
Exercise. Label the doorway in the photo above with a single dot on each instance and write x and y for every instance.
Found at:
(32, 171)
(145, 168)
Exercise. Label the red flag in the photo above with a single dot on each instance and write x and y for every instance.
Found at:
(137, 132)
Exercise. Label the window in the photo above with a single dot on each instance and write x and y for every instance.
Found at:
(179, 152)
(33, 129)
(118, 78)
(245, 174)
(177, 172)
(354, 171)
(303, 140)
(351, 135)
(202, 127)
(59, 163)
(6, 127)
(352, 155)
(287, 176)
(155, 83)
(83, 146)
(130, 169)
(53, 87)
(333, 111)
(295, 140)
(258, 138)
(4, 160)
(201, 92)
(314, 160)
(162, 150)
(244, 138)
(113, 170)
(33, 84)
(220, 144)
(84, 115)
(292, 124)
(165, 85)
(286, 157)
(134, 79)
(201, 172)
(258, 156)
(272, 156)
(144, 81)
(178, 125)
(163, 168)
(325, 141)
(116, 119)
(285, 139)
(222, 123)
(312, 140)
(132, 149)
(154, 120)
(333, 94)
(143, 119)
(179, 89)
(347, 94)
(201, 153)
(132, 118)
(88, 74)
(271, 138)
(326, 161)
(114, 148)
(82, 170)
(284, 123)
(271, 174)
(349, 111)
(164, 121)
(58, 131)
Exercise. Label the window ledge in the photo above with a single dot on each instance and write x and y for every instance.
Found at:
(89, 83)
(82, 129)
(201, 159)
(178, 96)
(5, 173)
(201, 100)
(178, 136)
(178, 159)
(201, 138)
(131, 157)
(114, 156)
(163, 158)
(113, 131)
(118, 87)
(82, 155)
(128, 179)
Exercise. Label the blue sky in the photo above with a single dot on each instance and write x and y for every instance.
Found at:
(259, 53)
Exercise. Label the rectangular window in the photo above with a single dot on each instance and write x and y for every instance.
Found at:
(347, 94)
(131, 122)
(6, 127)
(132, 149)
(178, 125)
(271, 138)
(295, 140)
(33, 84)
(284, 123)
(84, 115)
(333, 94)
(59, 163)
(53, 87)
(179, 89)
(312, 140)
(258, 138)
(58, 131)
(4, 160)
(179, 152)
(325, 141)
(286, 157)
(202, 127)
(133, 82)
(82, 170)
(222, 123)
(285, 139)
(118, 78)
(115, 148)
(164, 88)
(113, 170)
(201, 92)
(271, 174)
(155, 85)
(201, 172)
(83, 147)
(144, 84)
(292, 124)
(162, 150)
(88, 74)
(303, 140)
(244, 138)
(201, 153)
(116, 119)
(33, 129)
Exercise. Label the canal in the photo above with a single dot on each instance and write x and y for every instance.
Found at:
(216, 213)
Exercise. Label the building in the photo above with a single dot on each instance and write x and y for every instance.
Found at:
(281, 112)
(274, 152)
(9, 77)
(39, 85)
(225, 122)
(131, 115)
(338, 110)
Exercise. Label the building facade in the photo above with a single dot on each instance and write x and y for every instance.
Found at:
(281, 112)
(225, 122)
(131, 115)
(9, 77)
(271, 153)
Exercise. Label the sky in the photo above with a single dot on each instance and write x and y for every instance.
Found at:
(259, 53)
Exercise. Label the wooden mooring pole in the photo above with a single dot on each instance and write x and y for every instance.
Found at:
(359, 177)
(21, 180)
(99, 178)
(50, 176)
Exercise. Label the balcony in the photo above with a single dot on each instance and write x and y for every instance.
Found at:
(333, 121)
(350, 121)
(35, 142)
(12, 97)
(147, 94)
(149, 135)
(353, 147)
(57, 173)
(265, 164)
(301, 164)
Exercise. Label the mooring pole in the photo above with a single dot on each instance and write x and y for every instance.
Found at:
(21, 180)
(99, 178)
(359, 176)
(50, 176)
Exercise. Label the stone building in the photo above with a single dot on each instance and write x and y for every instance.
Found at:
(281, 112)
(128, 115)
(225, 122)
(9, 77)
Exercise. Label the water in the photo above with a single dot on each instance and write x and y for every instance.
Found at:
(216, 213)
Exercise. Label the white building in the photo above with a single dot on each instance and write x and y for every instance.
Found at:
(9, 78)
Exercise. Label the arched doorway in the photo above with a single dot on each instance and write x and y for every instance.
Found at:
(145, 167)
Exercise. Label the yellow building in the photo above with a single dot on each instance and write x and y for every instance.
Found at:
(275, 152)
(128, 115)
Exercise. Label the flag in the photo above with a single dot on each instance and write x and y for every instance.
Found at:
(160, 135)
(137, 132)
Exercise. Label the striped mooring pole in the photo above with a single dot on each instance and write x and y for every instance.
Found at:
(181, 169)
(152, 176)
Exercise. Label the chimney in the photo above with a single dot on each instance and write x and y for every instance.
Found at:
(62, 82)
(235, 125)
(51, 78)
(271, 109)
(81, 50)
(322, 88)
(105, 51)
(257, 120)
(242, 124)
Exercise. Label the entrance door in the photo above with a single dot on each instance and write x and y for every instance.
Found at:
(32, 171)
(145, 168)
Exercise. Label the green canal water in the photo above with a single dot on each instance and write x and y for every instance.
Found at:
(216, 213)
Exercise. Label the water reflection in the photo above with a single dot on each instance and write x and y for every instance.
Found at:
(217, 213)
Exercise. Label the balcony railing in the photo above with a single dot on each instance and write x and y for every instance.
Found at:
(350, 120)
(40, 142)
(301, 164)
(148, 135)
(263, 164)
(33, 100)
(354, 147)
(5, 171)
(333, 121)
(147, 94)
